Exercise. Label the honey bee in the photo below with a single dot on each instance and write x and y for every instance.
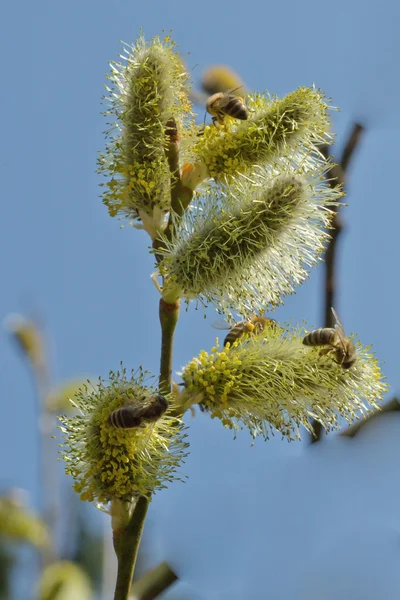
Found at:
(140, 415)
(255, 325)
(342, 349)
(226, 103)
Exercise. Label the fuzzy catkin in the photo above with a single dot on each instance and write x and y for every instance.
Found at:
(275, 128)
(253, 251)
(109, 463)
(148, 89)
(238, 237)
(271, 381)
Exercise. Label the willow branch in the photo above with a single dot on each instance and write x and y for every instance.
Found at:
(336, 176)
(169, 314)
(181, 196)
(153, 583)
(391, 406)
(126, 543)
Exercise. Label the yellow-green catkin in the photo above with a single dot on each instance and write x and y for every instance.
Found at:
(250, 251)
(271, 381)
(148, 88)
(276, 128)
(109, 463)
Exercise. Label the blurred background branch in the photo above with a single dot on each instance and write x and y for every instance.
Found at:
(390, 406)
(153, 583)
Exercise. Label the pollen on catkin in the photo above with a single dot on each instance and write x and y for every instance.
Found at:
(147, 88)
(108, 462)
(275, 128)
(273, 382)
(248, 248)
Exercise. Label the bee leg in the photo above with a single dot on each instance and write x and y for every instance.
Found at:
(340, 356)
(325, 351)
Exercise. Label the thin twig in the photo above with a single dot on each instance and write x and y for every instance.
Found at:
(336, 176)
(127, 544)
(169, 314)
(390, 406)
(151, 584)
(181, 196)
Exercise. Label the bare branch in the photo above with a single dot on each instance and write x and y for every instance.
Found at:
(390, 406)
(336, 176)
(169, 314)
(153, 583)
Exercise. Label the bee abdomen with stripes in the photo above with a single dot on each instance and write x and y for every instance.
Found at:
(255, 326)
(226, 103)
(140, 414)
(324, 336)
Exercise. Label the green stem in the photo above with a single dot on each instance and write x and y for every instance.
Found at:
(169, 314)
(126, 543)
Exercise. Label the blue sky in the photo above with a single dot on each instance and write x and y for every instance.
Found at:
(63, 257)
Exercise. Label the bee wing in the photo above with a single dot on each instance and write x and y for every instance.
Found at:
(221, 324)
(229, 92)
(140, 409)
(339, 329)
(338, 325)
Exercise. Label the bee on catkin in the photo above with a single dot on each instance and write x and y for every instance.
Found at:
(139, 415)
(226, 103)
(255, 325)
(336, 342)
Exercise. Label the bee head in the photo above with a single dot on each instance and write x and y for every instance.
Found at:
(348, 363)
(163, 402)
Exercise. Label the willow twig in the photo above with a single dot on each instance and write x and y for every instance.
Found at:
(126, 543)
(181, 196)
(169, 314)
(151, 584)
(336, 176)
(390, 406)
